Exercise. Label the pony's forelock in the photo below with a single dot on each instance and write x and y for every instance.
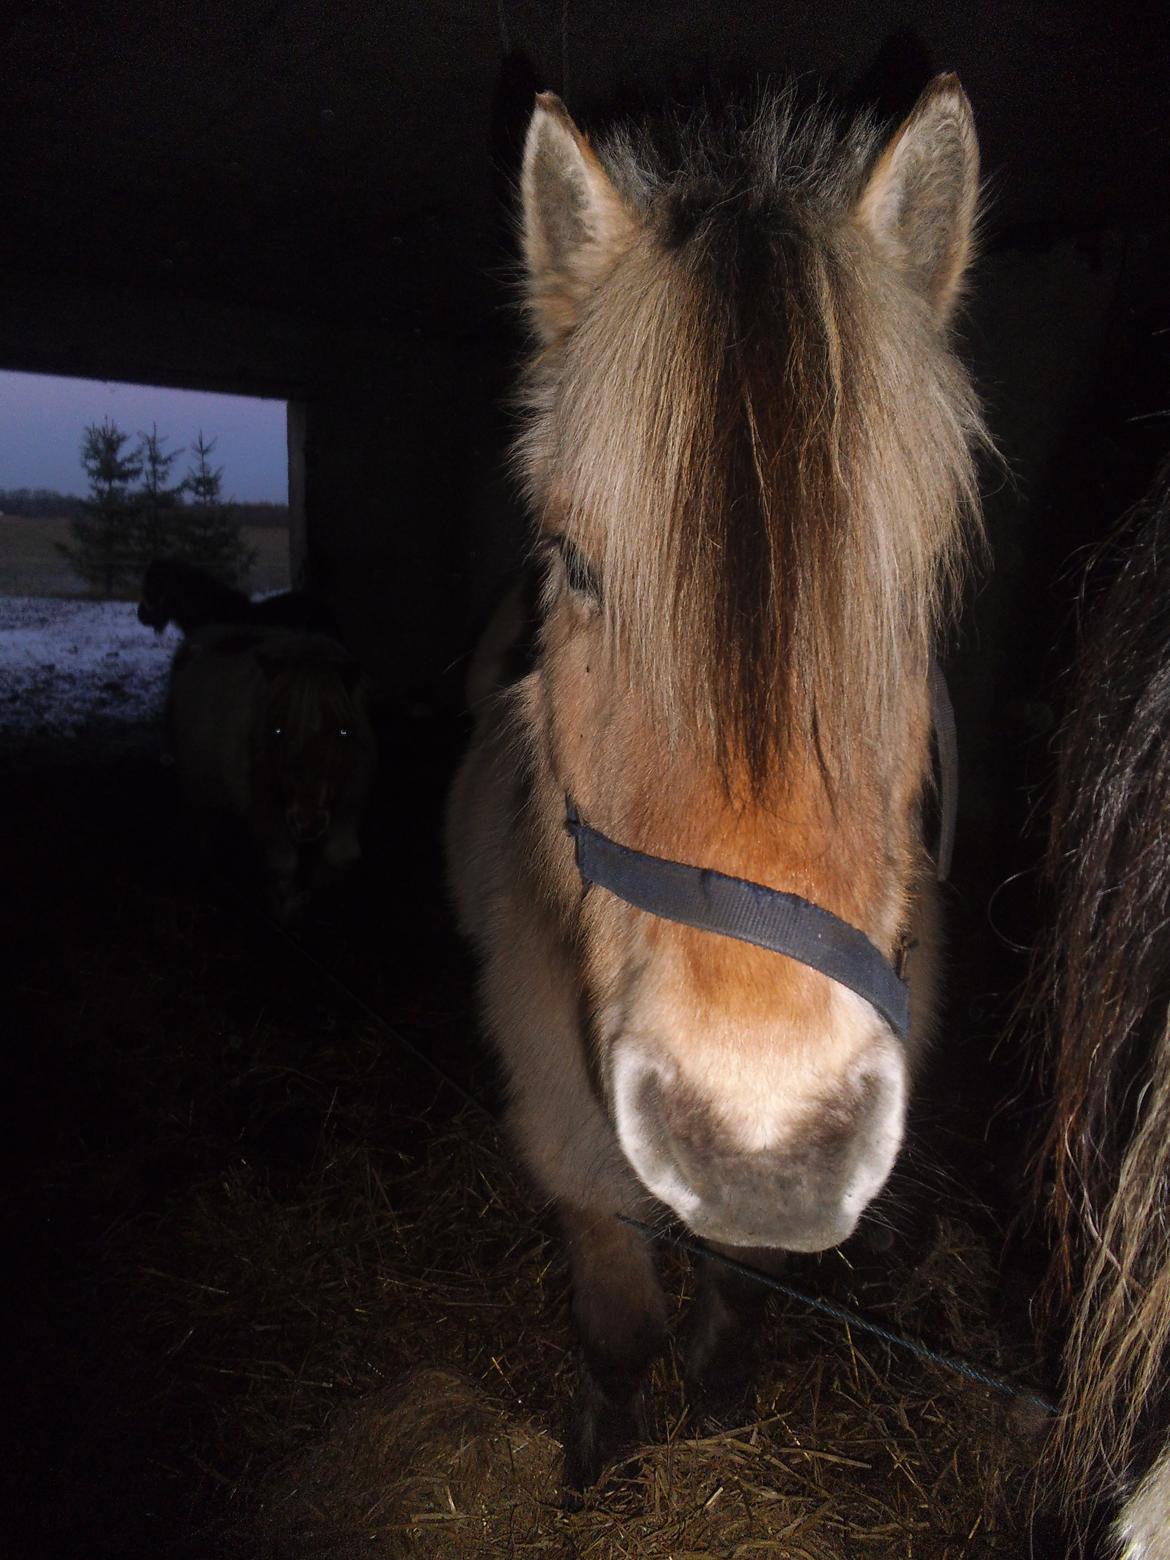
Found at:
(309, 692)
(758, 437)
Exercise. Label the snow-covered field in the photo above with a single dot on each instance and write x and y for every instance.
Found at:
(80, 676)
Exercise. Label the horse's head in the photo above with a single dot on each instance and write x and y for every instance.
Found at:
(749, 452)
(315, 732)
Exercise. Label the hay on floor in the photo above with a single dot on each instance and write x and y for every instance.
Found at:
(327, 1317)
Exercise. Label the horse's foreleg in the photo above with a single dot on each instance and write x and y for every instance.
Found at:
(620, 1316)
(722, 1339)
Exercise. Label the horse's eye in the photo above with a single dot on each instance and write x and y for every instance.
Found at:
(278, 733)
(343, 731)
(579, 572)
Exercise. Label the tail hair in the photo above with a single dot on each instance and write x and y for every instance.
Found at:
(1103, 996)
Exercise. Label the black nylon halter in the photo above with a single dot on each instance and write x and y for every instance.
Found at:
(749, 912)
(767, 917)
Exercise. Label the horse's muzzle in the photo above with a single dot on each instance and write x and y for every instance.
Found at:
(805, 1191)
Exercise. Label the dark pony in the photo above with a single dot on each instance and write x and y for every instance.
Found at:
(271, 727)
(175, 591)
(1103, 995)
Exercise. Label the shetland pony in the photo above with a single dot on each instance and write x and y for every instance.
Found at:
(1104, 989)
(175, 591)
(748, 456)
(271, 727)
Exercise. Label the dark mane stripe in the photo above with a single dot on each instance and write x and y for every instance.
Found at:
(761, 441)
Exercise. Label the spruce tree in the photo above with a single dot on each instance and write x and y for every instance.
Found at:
(159, 513)
(211, 534)
(103, 548)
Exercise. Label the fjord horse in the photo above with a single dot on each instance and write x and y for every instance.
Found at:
(748, 456)
(1103, 988)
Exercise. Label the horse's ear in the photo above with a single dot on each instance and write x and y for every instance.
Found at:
(575, 223)
(919, 200)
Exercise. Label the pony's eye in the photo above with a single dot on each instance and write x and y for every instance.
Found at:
(579, 572)
(343, 731)
(278, 733)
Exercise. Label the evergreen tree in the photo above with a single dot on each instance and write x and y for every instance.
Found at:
(211, 534)
(204, 481)
(158, 501)
(103, 548)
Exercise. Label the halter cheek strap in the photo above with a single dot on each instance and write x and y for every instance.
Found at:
(733, 907)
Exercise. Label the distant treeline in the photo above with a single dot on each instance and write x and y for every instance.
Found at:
(48, 504)
(39, 503)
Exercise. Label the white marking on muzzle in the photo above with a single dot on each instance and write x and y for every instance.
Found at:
(768, 1097)
(632, 1070)
(885, 1064)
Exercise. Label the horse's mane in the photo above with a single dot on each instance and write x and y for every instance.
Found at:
(1104, 983)
(759, 438)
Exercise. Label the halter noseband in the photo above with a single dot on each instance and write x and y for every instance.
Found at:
(767, 917)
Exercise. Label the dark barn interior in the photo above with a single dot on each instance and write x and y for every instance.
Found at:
(240, 1208)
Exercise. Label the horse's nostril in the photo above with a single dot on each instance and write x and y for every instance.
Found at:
(639, 1085)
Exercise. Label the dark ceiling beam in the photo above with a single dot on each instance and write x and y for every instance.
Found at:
(63, 326)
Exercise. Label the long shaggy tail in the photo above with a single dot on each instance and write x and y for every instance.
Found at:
(1105, 987)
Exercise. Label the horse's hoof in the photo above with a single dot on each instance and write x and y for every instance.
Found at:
(586, 1459)
(714, 1408)
(600, 1429)
(578, 1481)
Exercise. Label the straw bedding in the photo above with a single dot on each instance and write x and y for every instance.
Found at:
(311, 1307)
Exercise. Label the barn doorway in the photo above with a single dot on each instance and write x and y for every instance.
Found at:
(96, 477)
